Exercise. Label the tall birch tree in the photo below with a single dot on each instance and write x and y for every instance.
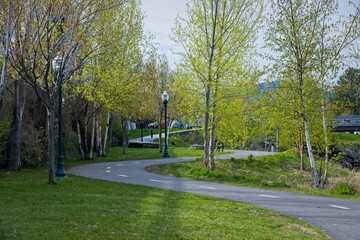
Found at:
(10, 12)
(308, 44)
(216, 37)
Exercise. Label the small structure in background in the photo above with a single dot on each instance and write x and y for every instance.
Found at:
(349, 123)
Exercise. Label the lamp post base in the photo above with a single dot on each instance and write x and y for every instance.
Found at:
(60, 171)
(166, 154)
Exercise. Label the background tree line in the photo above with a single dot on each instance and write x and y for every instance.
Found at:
(106, 58)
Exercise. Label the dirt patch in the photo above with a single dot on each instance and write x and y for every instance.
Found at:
(153, 169)
(303, 229)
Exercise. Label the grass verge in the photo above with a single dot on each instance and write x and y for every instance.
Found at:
(115, 154)
(80, 208)
(280, 172)
(347, 138)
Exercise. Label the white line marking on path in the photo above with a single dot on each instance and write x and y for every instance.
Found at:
(159, 181)
(119, 164)
(122, 175)
(136, 162)
(268, 196)
(108, 171)
(206, 187)
(340, 207)
(108, 168)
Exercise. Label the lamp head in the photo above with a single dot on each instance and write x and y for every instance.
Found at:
(57, 63)
(165, 97)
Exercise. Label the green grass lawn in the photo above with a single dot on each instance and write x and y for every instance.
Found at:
(136, 133)
(280, 172)
(80, 208)
(347, 138)
(115, 154)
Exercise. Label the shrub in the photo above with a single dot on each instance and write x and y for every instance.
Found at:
(4, 132)
(34, 147)
(353, 179)
(344, 189)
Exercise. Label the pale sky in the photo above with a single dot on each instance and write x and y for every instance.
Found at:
(159, 21)
(161, 15)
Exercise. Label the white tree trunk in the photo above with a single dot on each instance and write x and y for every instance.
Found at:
(311, 155)
(86, 127)
(326, 139)
(80, 140)
(51, 153)
(106, 133)
(124, 134)
(91, 155)
(206, 130)
(5, 58)
(99, 136)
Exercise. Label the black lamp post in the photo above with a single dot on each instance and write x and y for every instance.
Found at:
(60, 171)
(142, 130)
(165, 99)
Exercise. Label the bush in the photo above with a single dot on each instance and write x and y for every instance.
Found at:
(34, 147)
(4, 132)
(353, 179)
(251, 158)
(344, 189)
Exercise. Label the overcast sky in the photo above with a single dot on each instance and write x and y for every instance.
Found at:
(160, 18)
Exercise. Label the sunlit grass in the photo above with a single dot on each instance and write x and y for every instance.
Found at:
(116, 154)
(347, 137)
(280, 172)
(80, 208)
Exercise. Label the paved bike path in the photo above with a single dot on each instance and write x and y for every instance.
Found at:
(339, 218)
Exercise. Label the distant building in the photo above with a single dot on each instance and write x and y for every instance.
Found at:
(349, 123)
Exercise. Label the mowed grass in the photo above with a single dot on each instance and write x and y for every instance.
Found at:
(80, 208)
(280, 172)
(116, 154)
(347, 138)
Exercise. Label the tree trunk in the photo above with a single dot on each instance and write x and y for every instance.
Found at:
(301, 151)
(326, 139)
(82, 154)
(91, 154)
(16, 125)
(212, 148)
(206, 162)
(5, 59)
(100, 149)
(51, 153)
(86, 128)
(111, 131)
(310, 152)
(160, 134)
(124, 134)
(307, 131)
(106, 133)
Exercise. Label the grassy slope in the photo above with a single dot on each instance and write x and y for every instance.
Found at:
(279, 172)
(115, 154)
(347, 138)
(80, 208)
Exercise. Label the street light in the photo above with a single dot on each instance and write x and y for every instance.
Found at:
(60, 171)
(165, 99)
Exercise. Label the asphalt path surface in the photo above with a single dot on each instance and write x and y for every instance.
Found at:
(339, 218)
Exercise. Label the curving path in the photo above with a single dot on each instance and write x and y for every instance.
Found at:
(339, 218)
